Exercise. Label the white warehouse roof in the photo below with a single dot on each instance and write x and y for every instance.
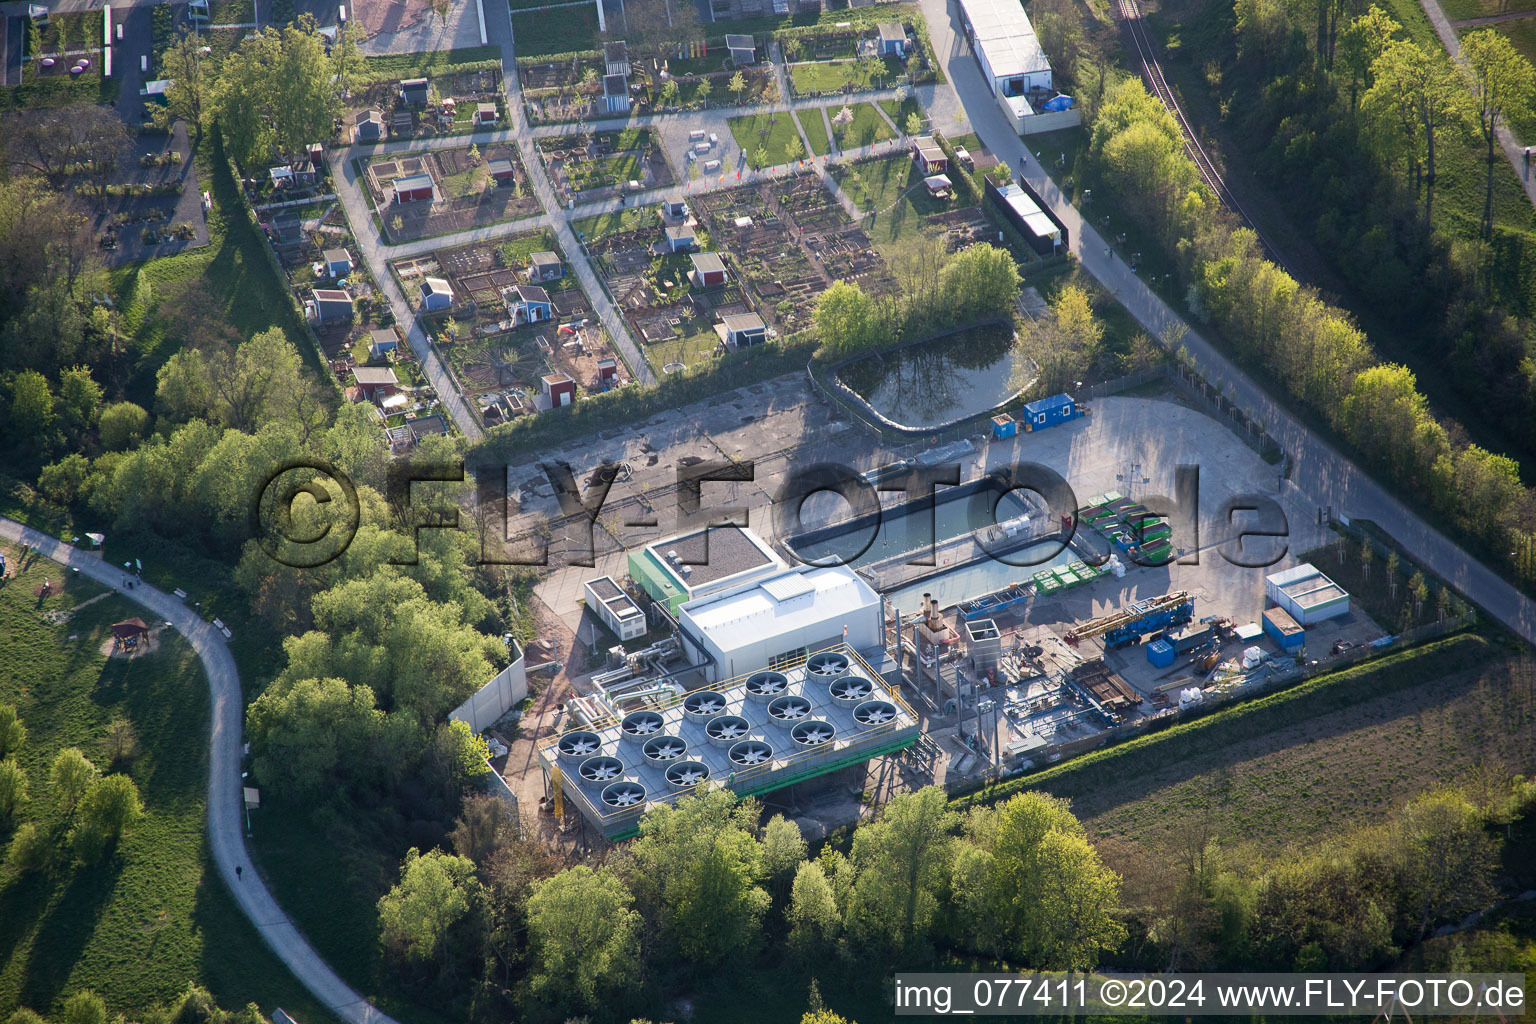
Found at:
(1004, 33)
(785, 604)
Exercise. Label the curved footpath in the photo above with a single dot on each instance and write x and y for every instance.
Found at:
(226, 830)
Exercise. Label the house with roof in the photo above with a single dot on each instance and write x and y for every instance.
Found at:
(413, 188)
(674, 208)
(426, 426)
(680, 238)
(414, 92)
(304, 171)
(382, 343)
(375, 383)
(338, 262)
(708, 270)
(743, 50)
(502, 171)
(892, 41)
(544, 266)
(558, 389)
(929, 155)
(742, 330)
(435, 295)
(486, 114)
(368, 126)
(616, 94)
(286, 228)
(331, 305)
(616, 58)
(527, 304)
(607, 373)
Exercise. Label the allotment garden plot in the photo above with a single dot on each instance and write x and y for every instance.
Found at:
(420, 195)
(515, 315)
(603, 165)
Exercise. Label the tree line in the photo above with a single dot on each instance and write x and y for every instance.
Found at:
(1313, 349)
(194, 1006)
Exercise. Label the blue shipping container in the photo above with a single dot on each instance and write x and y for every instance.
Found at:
(1048, 412)
(1284, 630)
(1160, 653)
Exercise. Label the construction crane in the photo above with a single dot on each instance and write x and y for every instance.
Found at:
(1129, 624)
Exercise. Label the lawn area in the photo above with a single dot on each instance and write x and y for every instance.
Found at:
(434, 62)
(1456, 10)
(59, 90)
(1342, 749)
(1521, 32)
(899, 112)
(815, 130)
(153, 915)
(695, 348)
(822, 76)
(770, 132)
(867, 127)
(626, 218)
(891, 187)
(233, 273)
(542, 33)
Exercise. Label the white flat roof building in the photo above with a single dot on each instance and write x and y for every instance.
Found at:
(1007, 48)
(780, 619)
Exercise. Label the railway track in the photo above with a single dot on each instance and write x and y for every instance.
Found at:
(1152, 73)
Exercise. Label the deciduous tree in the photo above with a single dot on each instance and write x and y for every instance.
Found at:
(1502, 83)
(584, 936)
(436, 891)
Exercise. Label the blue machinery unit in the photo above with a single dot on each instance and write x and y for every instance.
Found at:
(1128, 625)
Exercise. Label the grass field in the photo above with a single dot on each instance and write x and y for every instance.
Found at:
(771, 132)
(153, 915)
(538, 34)
(1339, 750)
(1456, 10)
(821, 76)
(890, 187)
(627, 218)
(232, 271)
(815, 130)
(867, 127)
(433, 62)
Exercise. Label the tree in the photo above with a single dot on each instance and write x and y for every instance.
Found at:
(701, 95)
(110, 806)
(737, 85)
(188, 96)
(79, 399)
(435, 892)
(461, 753)
(1416, 94)
(1073, 308)
(760, 158)
(584, 937)
(13, 734)
(813, 915)
(483, 824)
(72, 776)
(302, 734)
(84, 1007)
(914, 123)
(980, 281)
(440, 8)
(122, 741)
(669, 91)
(30, 409)
(1361, 43)
(901, 864)
(123, 425)
(783, 846)
(847, 320)
(13, 787)
(794, 149)
(276, 93)
(695, 873)
(347, 58)
(1447, 859)
(1502, 83)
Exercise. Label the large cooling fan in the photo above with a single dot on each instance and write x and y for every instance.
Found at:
(751, 752)
(686, 774)
(728, 727)
(766, 684)
(624, 794)
(641, 723)
(827, 666)
(813, 734)
(601, 769)
(789, 709)
(665, 748)
(874, 712)
(851, 688)
(703, 703)
(579, 744)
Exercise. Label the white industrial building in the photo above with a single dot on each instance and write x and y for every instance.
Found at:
(1013, 62)
(617, 610)
(1306, 594)
(779, 620)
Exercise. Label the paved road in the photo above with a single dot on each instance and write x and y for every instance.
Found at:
(1514, 152)
(1319, 471)
(226, 826)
